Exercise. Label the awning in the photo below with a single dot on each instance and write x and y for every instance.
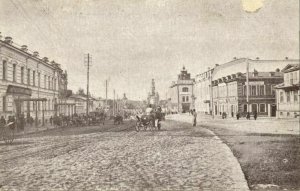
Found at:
(18, 90)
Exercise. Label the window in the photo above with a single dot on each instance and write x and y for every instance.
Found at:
(22, 75)
(185, 89)
(262, 107)
(288, 96)
(261, 90)
(268, 90)
(54, 84)
(49, 82)
(39, 79)
(28, 76)
(187, 98)
(273, 90)
(183, 99)
(244, 90)
(291, 78)
(33, 78)
(14, 72)
(288, 114)
(253, 90)
(296, 96)
(281, 97)
(45, 81)
(296, 77)
(4, 103)
(4, 66)
(245, 108)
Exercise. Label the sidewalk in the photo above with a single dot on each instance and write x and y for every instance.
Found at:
(261, 125)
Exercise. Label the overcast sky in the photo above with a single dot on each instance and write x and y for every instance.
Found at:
(133, 41)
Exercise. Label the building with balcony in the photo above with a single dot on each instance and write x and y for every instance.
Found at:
(29, 85)
(288, 92)
(181, 93)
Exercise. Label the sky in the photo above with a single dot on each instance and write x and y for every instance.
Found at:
(133, 41)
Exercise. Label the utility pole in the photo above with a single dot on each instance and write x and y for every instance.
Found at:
(114, 103)
(88, 64)
(105, 94)
(247, 79)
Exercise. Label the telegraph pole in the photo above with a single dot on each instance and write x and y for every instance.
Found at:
(114, 103)
(105, 94)
(88, 64)
(247, 81)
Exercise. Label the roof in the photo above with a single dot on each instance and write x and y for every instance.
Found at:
(240, 65)
(290, 68)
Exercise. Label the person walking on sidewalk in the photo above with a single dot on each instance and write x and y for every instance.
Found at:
(248, 116)
(194, 113)
(255, 115)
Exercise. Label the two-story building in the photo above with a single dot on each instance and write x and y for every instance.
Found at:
(29, 85)
(203, 92)
(246, 92)
(230, 85)
(288, 92)
(181, 93)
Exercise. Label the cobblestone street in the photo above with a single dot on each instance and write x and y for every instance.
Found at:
(109, 157)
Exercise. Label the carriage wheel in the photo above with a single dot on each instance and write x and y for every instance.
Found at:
(8, 135)
(137, 126)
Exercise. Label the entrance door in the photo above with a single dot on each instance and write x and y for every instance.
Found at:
(254, 107)
(273, 110)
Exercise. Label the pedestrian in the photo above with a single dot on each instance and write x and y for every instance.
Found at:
(51, 120)
(237, 116)
(248, 116)
(255, 115)
(2, 121)
(232, 114)
(194, 113)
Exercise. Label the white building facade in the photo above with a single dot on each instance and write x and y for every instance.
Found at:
(29, 86)
(287, 93)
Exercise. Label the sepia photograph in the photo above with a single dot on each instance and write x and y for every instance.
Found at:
(149, 95)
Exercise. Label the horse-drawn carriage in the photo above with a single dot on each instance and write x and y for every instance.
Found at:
(96, 118)
(7, 132)
(148, 122)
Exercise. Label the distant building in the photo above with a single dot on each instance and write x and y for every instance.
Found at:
(181, 93)
(153, 96)
(202, 91)
(287, 93)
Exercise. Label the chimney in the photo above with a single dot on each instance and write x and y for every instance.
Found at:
(45, 59)
(24, 48)
(35, 54)
(257, 58)
(208, 68)
(234, 58)
(8, 40)
(286, 58)
(217, 65)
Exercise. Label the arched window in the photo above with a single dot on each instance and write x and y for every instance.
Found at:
(185, 89)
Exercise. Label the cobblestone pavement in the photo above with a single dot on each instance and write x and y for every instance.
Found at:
(179, 157)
